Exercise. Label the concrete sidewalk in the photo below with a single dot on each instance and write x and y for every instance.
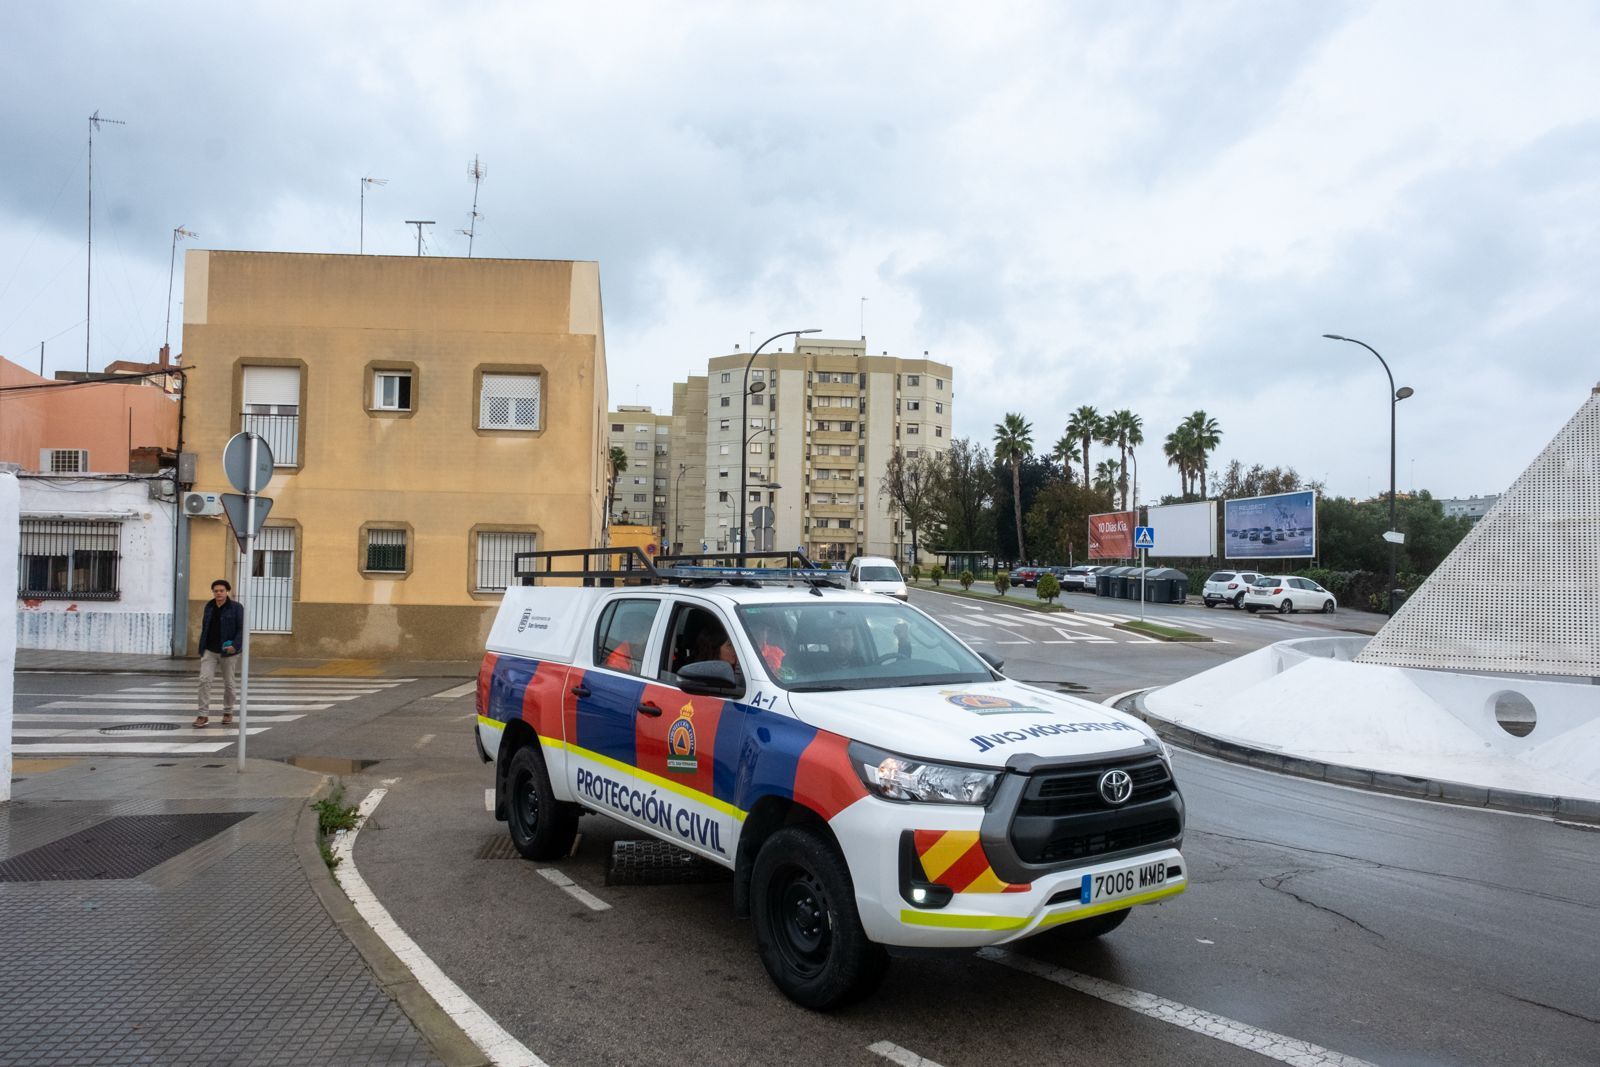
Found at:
(54, 661)
(177, 912)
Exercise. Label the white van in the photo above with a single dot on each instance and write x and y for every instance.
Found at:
(876, 574)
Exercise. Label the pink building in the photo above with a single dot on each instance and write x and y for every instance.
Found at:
(81, 427)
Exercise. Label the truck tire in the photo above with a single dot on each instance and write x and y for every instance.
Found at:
(1088, 929)
(808, 932)
(542, 827)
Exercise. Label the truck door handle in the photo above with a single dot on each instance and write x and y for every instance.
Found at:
(648, 709)
(580, 690)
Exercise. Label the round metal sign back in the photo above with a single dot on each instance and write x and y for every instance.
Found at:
(247, 477)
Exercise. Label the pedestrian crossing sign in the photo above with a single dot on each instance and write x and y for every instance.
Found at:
(1144, 537)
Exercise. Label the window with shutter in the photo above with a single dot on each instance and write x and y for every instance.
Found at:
(509, 402)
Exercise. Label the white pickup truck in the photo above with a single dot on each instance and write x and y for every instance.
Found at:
(872, 781)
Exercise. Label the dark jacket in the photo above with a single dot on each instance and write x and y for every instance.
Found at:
(230, 619)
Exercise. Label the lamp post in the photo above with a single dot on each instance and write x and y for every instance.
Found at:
(1395, 396)
(744, 422)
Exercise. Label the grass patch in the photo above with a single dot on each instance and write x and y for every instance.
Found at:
(333, 815)
(1160, 632)
(995, 598)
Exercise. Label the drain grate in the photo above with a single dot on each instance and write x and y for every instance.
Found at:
(138, 727)
(122, 847)
(658, 863)
(498, 847)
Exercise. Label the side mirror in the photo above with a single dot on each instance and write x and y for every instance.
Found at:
(993, 661)
(714, 678)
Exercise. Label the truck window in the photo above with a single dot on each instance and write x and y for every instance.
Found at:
(622, 633)
(695, 634)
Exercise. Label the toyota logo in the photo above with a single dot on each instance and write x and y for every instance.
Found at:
(1116, 787)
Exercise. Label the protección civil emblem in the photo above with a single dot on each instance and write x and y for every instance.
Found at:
(681, 742)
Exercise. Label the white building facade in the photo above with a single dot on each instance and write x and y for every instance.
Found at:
(95, 562)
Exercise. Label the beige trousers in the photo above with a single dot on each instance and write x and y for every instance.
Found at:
(209, 662)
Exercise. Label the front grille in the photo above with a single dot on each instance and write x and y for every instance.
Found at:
(1078, 790)
(1108, 841)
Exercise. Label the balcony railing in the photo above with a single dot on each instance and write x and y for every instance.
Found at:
(281, 432)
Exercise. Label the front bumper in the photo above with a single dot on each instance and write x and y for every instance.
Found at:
(989, 911)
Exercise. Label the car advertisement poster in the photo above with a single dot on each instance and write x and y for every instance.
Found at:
(1111, 535)
(1283, 526)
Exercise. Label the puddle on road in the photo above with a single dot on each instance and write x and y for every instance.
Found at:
(329, 764)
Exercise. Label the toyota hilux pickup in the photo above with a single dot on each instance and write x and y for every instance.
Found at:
(873, 783)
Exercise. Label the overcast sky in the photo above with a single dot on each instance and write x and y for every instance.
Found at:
(1154, 206)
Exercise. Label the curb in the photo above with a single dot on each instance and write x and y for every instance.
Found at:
(448, 1041)
(1060, 609)
(1569, 809)
(1190, 639)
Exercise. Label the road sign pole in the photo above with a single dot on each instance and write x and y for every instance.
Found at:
(244, 630)
(1143, 560)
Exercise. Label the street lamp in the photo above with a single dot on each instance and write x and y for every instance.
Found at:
(677, 493)
(744, 422)
(1395, 396)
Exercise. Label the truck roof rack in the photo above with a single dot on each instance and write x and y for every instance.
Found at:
(628, 565)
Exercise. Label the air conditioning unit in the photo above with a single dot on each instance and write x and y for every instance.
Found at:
(202, 504)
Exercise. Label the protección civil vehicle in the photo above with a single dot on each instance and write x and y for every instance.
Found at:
(874, 784)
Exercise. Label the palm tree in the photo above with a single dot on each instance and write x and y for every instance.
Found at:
(1084, 426)
(1065, 453)
(1179, 450)
(1013, 442)
(1126, 431)
(1206, 435)
(1107, 473)
(618, 463)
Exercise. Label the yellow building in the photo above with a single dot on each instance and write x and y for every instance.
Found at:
(428, 417)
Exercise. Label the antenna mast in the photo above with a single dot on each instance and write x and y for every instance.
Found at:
(419, 224)
(477, 172)
(361, 248)
(177, 235)
(88, 284)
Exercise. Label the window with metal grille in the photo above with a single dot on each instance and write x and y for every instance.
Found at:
(61, 560)
(386, 550)
(64, 460)
(509, 402)
(272, 410)
(496, 555)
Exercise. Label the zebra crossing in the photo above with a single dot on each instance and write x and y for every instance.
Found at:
(1000, 625)
(155, 718)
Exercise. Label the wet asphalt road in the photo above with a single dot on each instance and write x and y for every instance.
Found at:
(1392, 930)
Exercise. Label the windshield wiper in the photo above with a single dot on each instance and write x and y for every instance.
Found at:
(817, 688)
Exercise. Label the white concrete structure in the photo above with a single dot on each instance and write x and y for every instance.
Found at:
(1521, 592)
(96, 557)
(8, 624)
(1307, 698)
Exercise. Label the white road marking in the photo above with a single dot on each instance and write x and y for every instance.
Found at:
(113, 748)
(423, 740)
(969, 621)
(267, 694)
(1024, 641)
(577, 892)
(488, 800)
(501, 1048)
(215, 730)
(1265, 1042)
(168, 705)
(110, 719)
(903, 1056)
(458, 691)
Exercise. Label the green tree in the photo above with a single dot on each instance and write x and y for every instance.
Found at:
(966, 579)
(911, 486)
(1013, 441)
(1179, 450)
(1047, 588)
(1107, 476)
(1127, 431)
(1002, 582)
(1083, 426)
(1058, 521)
(1065, 453)
(617, 463)
(1204, 436)
(963, 504)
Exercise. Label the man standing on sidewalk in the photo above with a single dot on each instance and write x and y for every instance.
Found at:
(220, 635)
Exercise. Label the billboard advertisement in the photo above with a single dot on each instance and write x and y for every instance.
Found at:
(1184, 529)
(1111, 535)
(1270, 527)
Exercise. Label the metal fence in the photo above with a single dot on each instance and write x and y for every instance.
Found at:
(280, 431)
(69, 560)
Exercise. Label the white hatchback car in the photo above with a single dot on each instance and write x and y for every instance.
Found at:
(876, 574)
(1227, 587)
(1284, 593)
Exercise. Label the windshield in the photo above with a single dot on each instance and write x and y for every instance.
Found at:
(879, 574)
(1221, 576)
(823, 646)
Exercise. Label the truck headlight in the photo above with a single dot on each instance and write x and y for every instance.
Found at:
(903, 778)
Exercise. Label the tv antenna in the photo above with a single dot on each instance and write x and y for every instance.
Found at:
(419, 224)
(361, 247)
(477, 172)
(178, 234)
(88, 284)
